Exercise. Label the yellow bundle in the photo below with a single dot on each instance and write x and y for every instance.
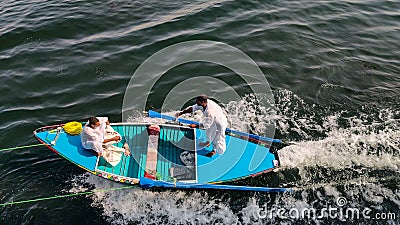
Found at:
(73, 128)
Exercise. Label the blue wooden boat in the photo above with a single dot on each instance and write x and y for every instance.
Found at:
(244, 157)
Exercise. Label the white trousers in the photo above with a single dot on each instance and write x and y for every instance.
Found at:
(96, 146)
(216, 135)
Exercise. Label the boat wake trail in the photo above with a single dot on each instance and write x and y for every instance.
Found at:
(336, 156)
(342, 139)
(155, 207)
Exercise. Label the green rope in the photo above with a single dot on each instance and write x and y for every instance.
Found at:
(20, 147)
(64, 196)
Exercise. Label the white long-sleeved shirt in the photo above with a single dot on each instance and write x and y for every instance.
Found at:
(93, 138)
(212, 113)
(215, 123)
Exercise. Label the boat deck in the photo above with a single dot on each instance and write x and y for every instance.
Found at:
(70, 147)
(171, 143)
(134, 164)
(241, 159)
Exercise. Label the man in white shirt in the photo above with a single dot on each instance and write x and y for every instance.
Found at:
(215, 123)
(93, 132)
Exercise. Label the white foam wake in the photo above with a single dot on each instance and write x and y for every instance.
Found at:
(368, 139)
(154, 207)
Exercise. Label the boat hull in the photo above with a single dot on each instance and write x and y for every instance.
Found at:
(241, 159)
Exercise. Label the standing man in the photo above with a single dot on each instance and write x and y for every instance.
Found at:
(215, 123)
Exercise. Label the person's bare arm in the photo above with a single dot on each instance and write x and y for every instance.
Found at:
(111, 139)
(187, 110)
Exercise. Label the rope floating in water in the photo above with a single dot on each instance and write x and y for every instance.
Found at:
(21, 147)
(64, 196)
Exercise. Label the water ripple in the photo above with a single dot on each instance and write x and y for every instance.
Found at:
(331, 62)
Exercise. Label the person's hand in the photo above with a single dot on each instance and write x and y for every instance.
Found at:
(107, 122)
(116, 138)
(127, 152)
(193, 125)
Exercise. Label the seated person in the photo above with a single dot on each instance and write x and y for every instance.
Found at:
(98, 136)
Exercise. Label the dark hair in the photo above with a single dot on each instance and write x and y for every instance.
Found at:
(93, 120)
(202, 98)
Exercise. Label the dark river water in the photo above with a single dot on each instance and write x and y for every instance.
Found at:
(333, 68)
